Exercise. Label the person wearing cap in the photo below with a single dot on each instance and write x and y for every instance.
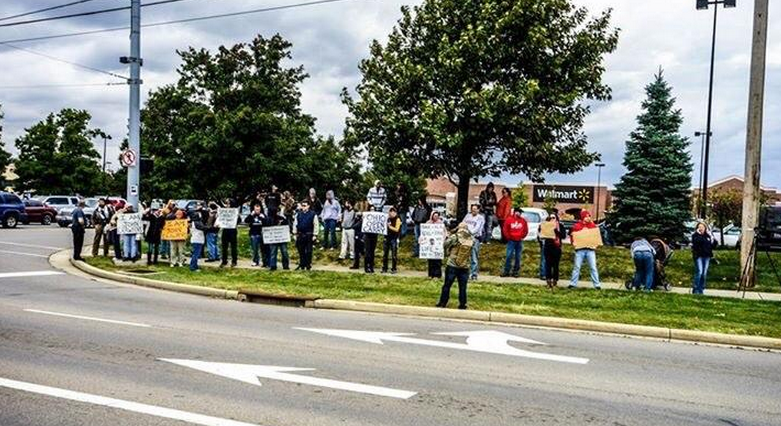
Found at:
(77, 228)
(458, 248)
(515, 230)
(588, 254)
(377, 196)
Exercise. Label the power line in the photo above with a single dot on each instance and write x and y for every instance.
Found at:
(179, 21)
(34, 12)
(54, 58)
(89, 13)
(48, 86)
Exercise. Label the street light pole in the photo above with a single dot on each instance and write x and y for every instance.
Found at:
(700, 135)
(703, 5)
(599, 186)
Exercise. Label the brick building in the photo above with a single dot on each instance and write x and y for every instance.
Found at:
(734, 182)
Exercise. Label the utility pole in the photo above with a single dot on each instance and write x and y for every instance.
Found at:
(599, 186)
(751, 181)
(105, 137)
(134, 122)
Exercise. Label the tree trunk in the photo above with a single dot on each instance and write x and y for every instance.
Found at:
(462, 206)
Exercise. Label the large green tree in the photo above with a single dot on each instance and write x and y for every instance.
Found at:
(653, 196)
(57, 156)
(470, 88)
(5, 156)
(233, 125)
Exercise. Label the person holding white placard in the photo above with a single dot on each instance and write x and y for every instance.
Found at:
(435, 265)
(277, 218)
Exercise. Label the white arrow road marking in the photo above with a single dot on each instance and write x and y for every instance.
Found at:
(494, 342)
(19, 253)
(168, 413)
(250, 374)
(59, 314)
(30, 273)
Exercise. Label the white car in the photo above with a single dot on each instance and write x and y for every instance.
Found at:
(534, 217)
(731, 236)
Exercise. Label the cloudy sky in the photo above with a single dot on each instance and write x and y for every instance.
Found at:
(330, 40)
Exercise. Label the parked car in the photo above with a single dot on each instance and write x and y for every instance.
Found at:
(731, 236)
(11, 210)
(38, 212)
(188, 205)
(65, 216)
(769, 235)
(58, 202)
(534, 217)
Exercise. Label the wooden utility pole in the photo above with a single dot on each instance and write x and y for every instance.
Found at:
(751, 182)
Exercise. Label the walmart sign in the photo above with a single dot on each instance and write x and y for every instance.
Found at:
(563, 194)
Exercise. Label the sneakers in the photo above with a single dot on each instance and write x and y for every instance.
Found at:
(504, 275)
(254, 264)
(572, 286)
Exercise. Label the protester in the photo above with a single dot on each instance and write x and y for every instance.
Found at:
(100, 219)
(288, 208)
(331, 213)
(77, 228)
(515, 230)
(168, 210)
(276, 218)
(589, 254)
(391, 241)
(435, 265)
(314, 203)
(212, 234)
(153, 234)
(504, 208)
(702, 252)
(255, 222)
(358, 240)
(273, 200)
(306, 234)
(458, 248)
(401, 203)
(347, 220)
(420, 214)
(177, 246)
(113, 236)
(643, 256)
(197, 236)
(475, 222)
(230, 239)
(370, 246)
(129, 248)
(488, 208)
(551, 251)
(377, 196)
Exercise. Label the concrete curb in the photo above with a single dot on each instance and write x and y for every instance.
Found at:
(162, 285)
(668, 334)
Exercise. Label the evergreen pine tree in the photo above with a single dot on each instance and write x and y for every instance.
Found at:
(653, 196)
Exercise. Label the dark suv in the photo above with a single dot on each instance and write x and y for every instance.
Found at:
(769, 233)
(39, 212)
(11, 210)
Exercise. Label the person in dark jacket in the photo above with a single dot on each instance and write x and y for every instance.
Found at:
(551, 250)
(314, 203)
(77, 227)
(488, 208)
(212, 234)
(255, 222)
(391, 242)
(230, 239)
(273, 200)
(420, 214)
(306, 233)
(702, 252)
(277, 218)
(153, 233)
(358, 240)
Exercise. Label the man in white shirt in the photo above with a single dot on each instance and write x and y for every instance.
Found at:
(377, 196)
(475, 223)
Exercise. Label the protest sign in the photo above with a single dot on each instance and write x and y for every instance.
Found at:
(276, 234)
(432, 241)
(175, 230)
(130, 223)
(227, 218)
(589, 238)
(548, 230)
(375, 223)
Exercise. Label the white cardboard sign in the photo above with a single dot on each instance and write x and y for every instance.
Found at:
(276, 234)
(130, 223)
(432, 241)
(227, 218)
(375, 223)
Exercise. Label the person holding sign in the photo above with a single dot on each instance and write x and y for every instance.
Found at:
(434, 265)
(586, 243)
(130, 249)
(515, 230)
(391, 242)
(551, 234)
(373, 224)
(229, 232)
(306, 233)
(276, 219)
(255, 223)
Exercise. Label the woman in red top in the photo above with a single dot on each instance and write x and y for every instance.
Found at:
(504, 208)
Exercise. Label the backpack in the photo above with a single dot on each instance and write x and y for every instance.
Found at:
(461, 253)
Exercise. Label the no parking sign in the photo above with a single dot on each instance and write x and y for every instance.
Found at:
(128, 158)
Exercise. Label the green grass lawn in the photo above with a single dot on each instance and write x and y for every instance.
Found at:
(656, 309)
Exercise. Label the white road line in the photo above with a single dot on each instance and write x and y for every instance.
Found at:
(168, 413)
(31, 245)
(30, 274)
(57, 314)
(19, 253)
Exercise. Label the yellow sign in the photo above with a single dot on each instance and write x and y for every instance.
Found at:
(548, 230)
(175, 230)
(589, 238)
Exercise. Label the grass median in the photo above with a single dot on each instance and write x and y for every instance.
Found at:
(714, 314)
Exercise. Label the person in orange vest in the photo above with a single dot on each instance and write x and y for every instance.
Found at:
(515, 229)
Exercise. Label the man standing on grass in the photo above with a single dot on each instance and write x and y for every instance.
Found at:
(255, 223)
(306, 228)
(331, 214)
(101, 218)
(77, 227)
(347, 220)
(377, 196)
(475, 223)
(488, 208)
(589, 254)
(391, 242)
(459, 249)
(515, 230)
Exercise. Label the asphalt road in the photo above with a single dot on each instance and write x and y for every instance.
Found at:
(59, 370)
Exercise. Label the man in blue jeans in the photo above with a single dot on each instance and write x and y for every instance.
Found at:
(515, 229)
(475, 222)
(643, 256)
(587, 254)
(255, 223)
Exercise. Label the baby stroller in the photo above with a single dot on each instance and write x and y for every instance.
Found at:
(663, 255)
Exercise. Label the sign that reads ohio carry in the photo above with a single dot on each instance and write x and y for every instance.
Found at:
(227, 218)
(130, 223)
(276, 234)
(432, 241)
(563, 194)
(375, 223)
